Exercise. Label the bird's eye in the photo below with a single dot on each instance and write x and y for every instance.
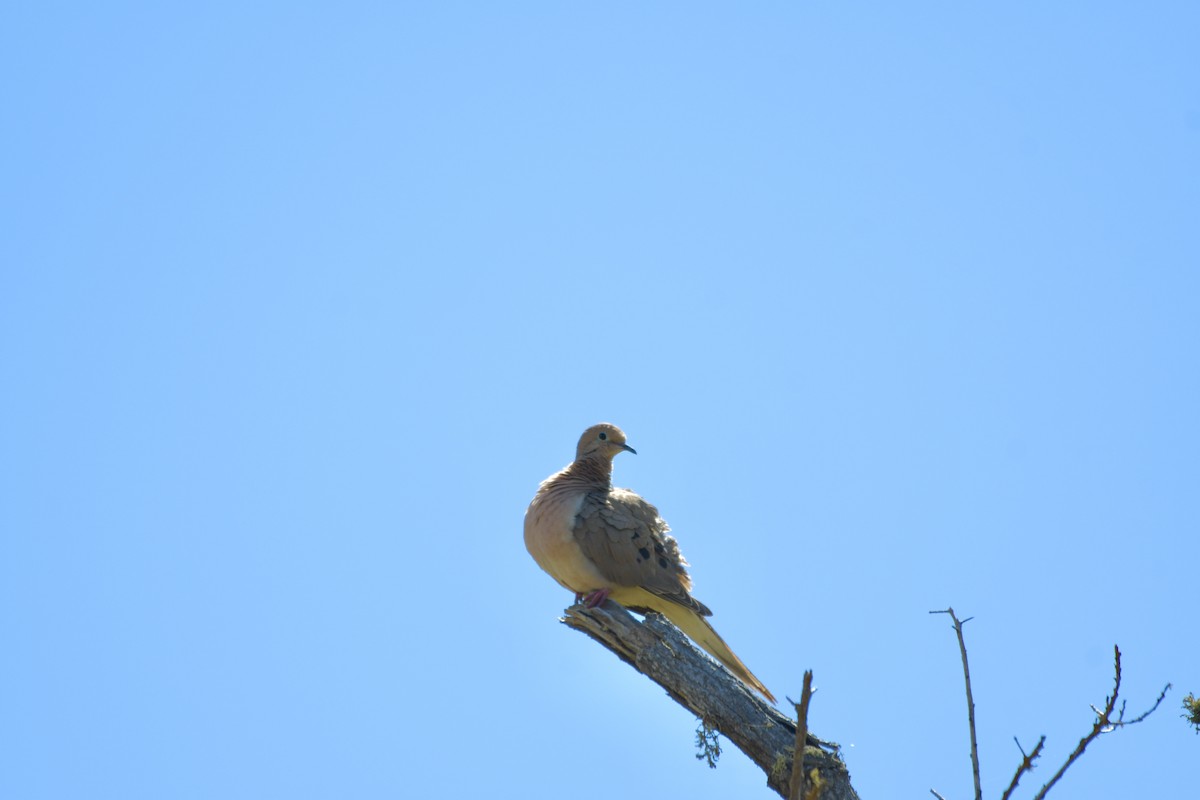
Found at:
(603, 436)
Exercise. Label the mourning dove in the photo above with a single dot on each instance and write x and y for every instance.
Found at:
(603, 542)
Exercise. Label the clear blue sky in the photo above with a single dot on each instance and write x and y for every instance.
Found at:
(900, 304)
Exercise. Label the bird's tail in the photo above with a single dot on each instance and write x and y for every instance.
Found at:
(700, 632)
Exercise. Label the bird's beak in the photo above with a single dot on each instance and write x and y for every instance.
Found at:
(630, 449)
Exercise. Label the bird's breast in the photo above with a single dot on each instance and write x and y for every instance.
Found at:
(549, 538)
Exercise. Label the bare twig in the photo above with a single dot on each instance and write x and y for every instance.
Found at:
(1098, 727)
(962, 646)
(797, 784)
(1026, 765)
(1121, 722)
(1104, 722)
(935, 794)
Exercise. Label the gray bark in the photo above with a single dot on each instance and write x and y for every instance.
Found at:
(658, 650)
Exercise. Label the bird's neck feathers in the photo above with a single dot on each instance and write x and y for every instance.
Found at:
(594, 470)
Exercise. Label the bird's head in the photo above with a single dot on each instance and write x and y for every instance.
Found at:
(604, 440)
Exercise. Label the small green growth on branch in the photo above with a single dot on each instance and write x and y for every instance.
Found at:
(1191, 711)
(708, 742)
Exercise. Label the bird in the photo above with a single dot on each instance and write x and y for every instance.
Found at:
(603, 542)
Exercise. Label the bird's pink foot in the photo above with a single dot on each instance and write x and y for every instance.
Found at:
(578, 596)
(593, 599)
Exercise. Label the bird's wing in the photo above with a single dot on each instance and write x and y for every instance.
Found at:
(629, 543)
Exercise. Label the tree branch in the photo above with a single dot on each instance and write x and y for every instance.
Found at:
(1026, 765)
(962, 646)
(797, 790)
(1098, 727)
(1104, 722)
(658, 650)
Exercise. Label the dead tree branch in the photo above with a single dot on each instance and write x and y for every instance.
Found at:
(962, 646)
(801, 737)
(1105, 722)
(658, 650)
(1026, 765)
